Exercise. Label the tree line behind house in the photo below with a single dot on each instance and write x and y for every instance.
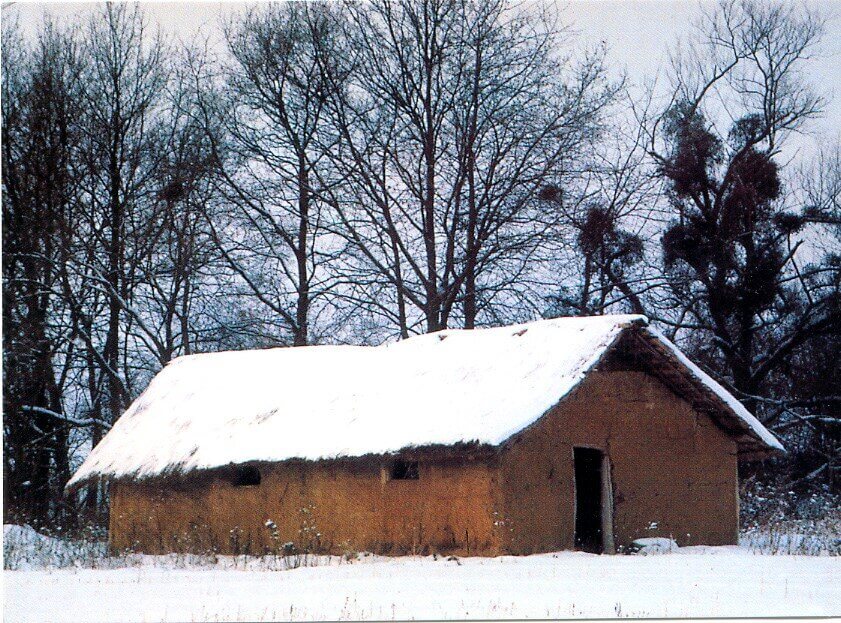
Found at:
(358, 173)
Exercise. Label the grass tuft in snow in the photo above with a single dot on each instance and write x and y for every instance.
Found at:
(24, 549)
(778, 520)
(815, 537)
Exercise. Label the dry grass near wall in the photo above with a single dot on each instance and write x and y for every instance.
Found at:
(805, 538)
(778, 520)
(24, 549)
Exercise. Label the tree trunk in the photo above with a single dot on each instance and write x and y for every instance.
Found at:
(302, 306)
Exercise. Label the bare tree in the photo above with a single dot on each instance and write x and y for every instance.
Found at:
(806, 396)
(115, 216)
(179, 272)
(456, 116)
(609, 213)
(266, 139)
(733, 251)
(125, 78)
(40, 94)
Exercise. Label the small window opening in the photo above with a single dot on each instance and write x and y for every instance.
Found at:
(247, 476)
(404, 470)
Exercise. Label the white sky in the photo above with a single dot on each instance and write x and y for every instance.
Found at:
(638, 34)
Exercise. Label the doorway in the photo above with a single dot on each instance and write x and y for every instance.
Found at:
(589, 494)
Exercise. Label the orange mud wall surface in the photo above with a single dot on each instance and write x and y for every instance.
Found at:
(673, 474)
(325, 507)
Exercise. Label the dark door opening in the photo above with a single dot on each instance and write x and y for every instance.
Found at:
(588, 500)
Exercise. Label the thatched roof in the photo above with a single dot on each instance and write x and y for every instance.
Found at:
(324, 402)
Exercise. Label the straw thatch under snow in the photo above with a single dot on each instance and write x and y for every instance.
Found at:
(322, 402)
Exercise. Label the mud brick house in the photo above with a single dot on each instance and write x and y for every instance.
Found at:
(568, 433)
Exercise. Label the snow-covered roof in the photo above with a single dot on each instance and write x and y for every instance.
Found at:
(320, 402)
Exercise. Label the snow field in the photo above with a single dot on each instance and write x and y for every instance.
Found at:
(691, 582)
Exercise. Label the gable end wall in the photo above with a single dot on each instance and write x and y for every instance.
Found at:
(674, 473)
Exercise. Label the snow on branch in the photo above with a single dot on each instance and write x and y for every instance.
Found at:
(66, 418)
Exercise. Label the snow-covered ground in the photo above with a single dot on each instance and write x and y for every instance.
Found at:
(693, 581)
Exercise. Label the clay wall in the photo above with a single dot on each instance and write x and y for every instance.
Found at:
(673, 471)
(331, 506)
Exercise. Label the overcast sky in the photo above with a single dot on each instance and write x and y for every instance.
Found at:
(637, 33)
